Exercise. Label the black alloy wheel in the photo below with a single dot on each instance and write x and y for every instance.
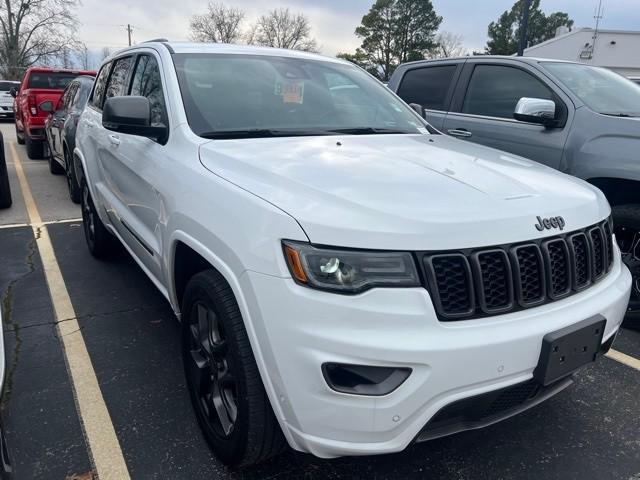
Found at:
(88, 217)
(626, 224)
(209, 371)
(102, 244)
(629, 242)
(226, 390)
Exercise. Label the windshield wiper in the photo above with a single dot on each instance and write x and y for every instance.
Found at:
(260, 133)
(617, 114)
(366, 131)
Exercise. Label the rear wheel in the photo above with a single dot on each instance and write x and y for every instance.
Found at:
(54, 167)
(19, 135)
(226, 391)
(35, 148)
(626, 222)
(75, 194)
(100, 241)
(5, 189)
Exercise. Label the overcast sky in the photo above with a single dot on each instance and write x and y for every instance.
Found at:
(333, 21)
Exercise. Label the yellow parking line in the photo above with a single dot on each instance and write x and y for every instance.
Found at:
(623, 358)
(101, 437)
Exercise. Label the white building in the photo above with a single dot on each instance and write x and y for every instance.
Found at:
(618, 50)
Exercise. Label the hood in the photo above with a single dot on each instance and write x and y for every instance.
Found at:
(404, 192)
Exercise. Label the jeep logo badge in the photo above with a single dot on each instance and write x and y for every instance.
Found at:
(549, 223)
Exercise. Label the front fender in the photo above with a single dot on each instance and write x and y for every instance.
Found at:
(612, 156)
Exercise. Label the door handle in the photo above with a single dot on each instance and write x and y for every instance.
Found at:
(459, 132)
(114, 139)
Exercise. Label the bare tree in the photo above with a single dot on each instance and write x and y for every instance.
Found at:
(34, 31)
(221, 24)
(449, 45)
(84, 57)
(282, 29)
(106, 51)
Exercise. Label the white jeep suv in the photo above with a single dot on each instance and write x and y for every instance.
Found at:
(349, 281)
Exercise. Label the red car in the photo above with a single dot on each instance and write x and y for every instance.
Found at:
(39, 85)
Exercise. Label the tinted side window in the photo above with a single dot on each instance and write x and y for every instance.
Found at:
(101, 82)
(80, 98)
(117, 85)
(69, 94)
(146, 83)
(427, 86)
(494, 90)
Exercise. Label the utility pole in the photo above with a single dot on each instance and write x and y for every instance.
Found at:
(524, 26)
(129, 32)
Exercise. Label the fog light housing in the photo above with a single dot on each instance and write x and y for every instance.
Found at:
(364, 379)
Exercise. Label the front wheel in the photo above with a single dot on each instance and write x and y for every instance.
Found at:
(226, 391)
(626, 222)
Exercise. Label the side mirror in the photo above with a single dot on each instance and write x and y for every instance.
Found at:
(131, 115)
(47, 106)
(536, 110)
(13, 92)
(418, 108)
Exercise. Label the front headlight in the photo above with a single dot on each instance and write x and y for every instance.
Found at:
(349, 271)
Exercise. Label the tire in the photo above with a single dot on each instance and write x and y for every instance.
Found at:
(626, 224)
(54, 167)
(5, 188)
(215, 342)
(102, 244)
(75, 194)
(19, 136)
(35, 148)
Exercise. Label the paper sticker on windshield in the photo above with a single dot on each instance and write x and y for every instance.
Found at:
(291, 92)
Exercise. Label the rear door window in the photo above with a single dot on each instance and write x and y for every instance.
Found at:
(427, 86)
(117, 85)
(494, 90)
(101, 82)
(69, 94)
(80, 98)
(146, 83)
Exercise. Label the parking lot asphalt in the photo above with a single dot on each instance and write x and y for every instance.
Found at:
(591, 430)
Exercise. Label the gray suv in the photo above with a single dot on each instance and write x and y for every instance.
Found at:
(581, 120)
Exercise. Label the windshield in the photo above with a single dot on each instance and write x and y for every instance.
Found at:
(52, 80)
(6, 86)
(235, 96)
(600, 89)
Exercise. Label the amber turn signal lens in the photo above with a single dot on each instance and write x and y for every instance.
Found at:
(295, 265)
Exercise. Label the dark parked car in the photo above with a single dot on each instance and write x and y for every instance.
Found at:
(5, 191)
(60, 130)
(579, 119)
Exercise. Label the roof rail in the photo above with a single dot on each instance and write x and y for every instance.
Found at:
(156, 40)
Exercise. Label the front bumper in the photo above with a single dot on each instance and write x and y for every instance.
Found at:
(300, 329)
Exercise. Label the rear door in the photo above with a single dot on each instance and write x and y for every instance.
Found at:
(482, 110)
(430, 85)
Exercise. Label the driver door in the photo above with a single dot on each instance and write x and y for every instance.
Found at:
(483, 111)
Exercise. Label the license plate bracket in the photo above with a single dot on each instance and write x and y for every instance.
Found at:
(566, 350)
